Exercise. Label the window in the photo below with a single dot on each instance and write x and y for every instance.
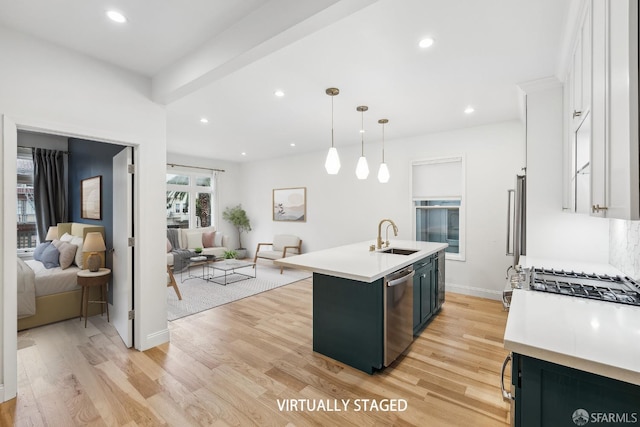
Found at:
(438, 203)
(189, 199)
(26, 210)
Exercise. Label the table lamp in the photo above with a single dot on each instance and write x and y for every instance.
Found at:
(94, 243)
(52, 233)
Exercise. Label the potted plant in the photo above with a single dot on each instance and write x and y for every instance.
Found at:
(238, 217)
(229, 256)
(198, 250)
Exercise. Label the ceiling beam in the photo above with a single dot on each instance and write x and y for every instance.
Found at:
(271, 27)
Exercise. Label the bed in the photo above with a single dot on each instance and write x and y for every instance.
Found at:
(47, 295)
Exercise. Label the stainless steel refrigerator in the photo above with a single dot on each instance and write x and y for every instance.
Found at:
(517, 221)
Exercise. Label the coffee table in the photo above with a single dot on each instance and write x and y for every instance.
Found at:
(228, 273)
(194, 261)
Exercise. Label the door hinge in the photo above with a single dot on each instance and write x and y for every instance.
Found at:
(131, 168)
(132, 314)
(131, 241)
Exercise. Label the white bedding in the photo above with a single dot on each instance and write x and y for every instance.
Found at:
(35, 280)
(53, 280)
(26, 290)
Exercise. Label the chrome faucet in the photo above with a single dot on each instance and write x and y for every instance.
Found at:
(395, 232)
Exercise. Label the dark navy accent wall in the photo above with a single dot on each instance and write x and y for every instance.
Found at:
(88, 159)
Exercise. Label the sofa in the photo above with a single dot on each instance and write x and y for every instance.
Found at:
(207, 238)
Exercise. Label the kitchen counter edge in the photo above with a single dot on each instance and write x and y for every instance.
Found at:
(356, 262)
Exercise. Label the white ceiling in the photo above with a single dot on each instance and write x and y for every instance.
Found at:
(223, 59)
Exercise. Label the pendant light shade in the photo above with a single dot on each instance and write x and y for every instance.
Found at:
(362, 168)
(383, 171)
(332, 163)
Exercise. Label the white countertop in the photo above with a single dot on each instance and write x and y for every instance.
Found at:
(356, 262)
(594, 336)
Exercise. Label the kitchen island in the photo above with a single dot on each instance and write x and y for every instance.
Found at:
(349, 300)
(572, 354)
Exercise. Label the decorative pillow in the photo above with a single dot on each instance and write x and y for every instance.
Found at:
(67, 254)
(194, 240)
(50, 257)
(208, 239)
(217, 240)
(169, 247)
(56, 242)
(37, 253)
(79, 254)
(66, 237)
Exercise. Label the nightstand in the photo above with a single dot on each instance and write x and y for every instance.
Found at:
(88, 279)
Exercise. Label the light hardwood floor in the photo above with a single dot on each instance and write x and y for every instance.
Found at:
(232, 365)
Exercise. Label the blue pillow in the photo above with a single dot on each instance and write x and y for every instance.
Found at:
(37, 253)
(50, 257)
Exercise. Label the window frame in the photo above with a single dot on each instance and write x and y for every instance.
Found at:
(25, 153)
(193, 190)
(462, 238)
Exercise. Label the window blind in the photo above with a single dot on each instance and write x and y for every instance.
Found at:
(438, 178)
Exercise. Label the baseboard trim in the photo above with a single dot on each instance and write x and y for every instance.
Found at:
(155, 339)
(474, 291)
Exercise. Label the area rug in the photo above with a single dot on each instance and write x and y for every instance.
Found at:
(199, 295)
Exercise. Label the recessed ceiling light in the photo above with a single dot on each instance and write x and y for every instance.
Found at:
(293, 144)
(243, 153)
(116, 16)
(426, 42)
(204, 120)
(279, 93)
(469, 110)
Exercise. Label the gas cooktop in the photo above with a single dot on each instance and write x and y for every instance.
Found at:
(618, 289)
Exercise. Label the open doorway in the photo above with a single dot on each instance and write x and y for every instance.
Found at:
(11, 138)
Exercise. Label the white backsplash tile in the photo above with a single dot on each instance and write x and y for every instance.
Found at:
(624, 246)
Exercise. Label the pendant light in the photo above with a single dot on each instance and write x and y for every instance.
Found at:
(332, 163)
(362, 169)
(383, 172)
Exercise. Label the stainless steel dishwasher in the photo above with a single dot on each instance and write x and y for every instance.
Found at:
(398, 313)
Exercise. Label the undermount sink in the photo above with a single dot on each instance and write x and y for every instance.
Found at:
(399, 251)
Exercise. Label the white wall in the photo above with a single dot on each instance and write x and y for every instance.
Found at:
(341, 209)
(47, 88)
(552, 233)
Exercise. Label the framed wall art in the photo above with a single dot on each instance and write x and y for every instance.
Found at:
(290, 204)
(91, 198)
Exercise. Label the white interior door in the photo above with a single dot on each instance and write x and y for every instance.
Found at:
(122, 271)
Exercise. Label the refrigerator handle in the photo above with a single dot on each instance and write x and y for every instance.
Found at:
(509, 194)
(507, 396)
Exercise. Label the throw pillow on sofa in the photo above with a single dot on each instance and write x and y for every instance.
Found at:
(208, 239)
(194, 240)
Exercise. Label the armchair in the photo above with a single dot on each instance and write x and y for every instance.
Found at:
(171, 282)
(283, 245)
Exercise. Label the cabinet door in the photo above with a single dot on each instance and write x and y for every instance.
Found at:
(623, 200)
(419, 269)
(427, 293)
(600, 98)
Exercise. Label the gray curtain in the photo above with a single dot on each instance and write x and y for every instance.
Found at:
(49, 188)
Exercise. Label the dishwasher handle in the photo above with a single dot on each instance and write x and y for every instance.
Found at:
(400, 280)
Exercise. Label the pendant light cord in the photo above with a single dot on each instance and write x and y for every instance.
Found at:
(332, 122)
(362, 131)
(383, 143)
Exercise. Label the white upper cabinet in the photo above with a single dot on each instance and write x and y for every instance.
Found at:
(606, 95)
(581, 70)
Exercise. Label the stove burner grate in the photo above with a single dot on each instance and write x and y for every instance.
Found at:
(593, 286)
